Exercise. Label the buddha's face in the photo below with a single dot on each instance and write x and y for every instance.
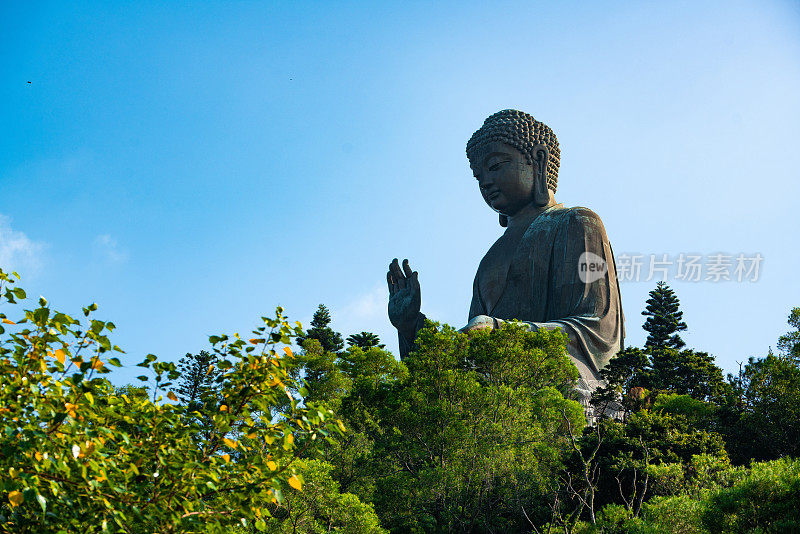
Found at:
(504, 177)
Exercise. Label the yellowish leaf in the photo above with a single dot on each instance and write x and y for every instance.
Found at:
(226, 457)
(295, 483)
(341, 425)
(230, 443)
(96, 363)
(272, 465)
(8, 321)
(171, 396)
(38, 456)
(60, 355)
(223, 408)
(15, 498)
(288, 352)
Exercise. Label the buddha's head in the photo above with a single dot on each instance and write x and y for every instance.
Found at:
(515, 159)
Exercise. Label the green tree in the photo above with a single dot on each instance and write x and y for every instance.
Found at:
(198, 388)
(321, 507)
(472, 439)
(664, 318)
(763, 423)
(373, 375)
(78, 454)
(196, 383)
(765, 499)
(330, 340)
(652, 453)
(789, 343)
(628, 370)
(364, 340)
(634, 376)
(321, 373)
(686, 372)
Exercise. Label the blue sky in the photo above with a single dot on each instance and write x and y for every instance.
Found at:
(189, 166)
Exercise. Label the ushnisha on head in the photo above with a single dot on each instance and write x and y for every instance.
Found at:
(526, 134)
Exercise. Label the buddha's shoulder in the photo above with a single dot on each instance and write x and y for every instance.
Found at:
(575, 215)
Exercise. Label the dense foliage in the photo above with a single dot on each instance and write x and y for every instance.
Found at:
(79, 455)
(470, 433)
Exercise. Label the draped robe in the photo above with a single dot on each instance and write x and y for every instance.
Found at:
(543, 287)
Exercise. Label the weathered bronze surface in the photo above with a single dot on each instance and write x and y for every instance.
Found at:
(552, 268)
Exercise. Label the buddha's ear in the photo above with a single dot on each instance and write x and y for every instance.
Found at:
(503, 220)
(541, 156)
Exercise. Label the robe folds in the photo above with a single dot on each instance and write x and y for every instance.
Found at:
(548, 285)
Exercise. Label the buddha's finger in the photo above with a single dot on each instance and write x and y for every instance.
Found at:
(407, 269)
(394, 268)
(397, 275)
(415, 280)
(390, 283)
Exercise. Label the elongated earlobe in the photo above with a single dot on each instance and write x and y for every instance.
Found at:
(503, 220)
(541, 196)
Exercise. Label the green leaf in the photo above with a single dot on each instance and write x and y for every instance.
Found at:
(261, 525)
(42, 502)
(143, 378)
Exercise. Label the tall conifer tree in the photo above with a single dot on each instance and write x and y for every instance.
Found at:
(196, 384)
(330, 340)
(664, 318)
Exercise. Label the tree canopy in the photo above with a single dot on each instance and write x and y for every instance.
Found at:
(470, 433)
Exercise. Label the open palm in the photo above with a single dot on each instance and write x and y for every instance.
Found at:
(404, 296)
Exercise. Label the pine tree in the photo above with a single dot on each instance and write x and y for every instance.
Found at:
(198, 389)
(330, 340)
(196, 382)
(364, 340)
(664, 318)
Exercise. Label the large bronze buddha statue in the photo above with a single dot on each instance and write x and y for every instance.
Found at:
(552, 268)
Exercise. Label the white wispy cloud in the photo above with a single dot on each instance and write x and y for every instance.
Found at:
(17, 251)
(367, 312)
(107, 247)
(367, 306)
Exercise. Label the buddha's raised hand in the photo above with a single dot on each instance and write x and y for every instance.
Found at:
(404, 297)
